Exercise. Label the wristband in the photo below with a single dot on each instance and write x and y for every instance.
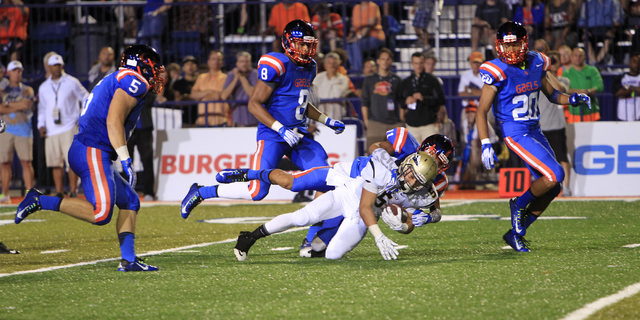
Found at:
(276, 126)
(323, 118)
(375, 230)
(123, 153)
(554, 96)
(485, 141)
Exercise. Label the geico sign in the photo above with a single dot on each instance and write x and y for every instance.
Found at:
(204, 163)
(604, 158)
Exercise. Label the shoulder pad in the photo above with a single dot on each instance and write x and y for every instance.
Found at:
(132, 82)
(492, 72)
(546, 61)
(271, 66)
(402, 141)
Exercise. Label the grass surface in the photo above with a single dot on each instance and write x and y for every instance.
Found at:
(450, 270)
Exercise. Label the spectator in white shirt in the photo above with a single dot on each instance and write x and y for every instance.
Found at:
(60, 100)
(627, 89)
(331, 84)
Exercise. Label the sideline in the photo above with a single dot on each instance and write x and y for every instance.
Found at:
(150, 253)
(601, 303)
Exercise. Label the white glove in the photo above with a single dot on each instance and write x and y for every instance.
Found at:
(489, 157)
(386, 247)
(289, 136)
(394, 222)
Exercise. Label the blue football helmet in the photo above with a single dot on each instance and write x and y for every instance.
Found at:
(296, 33)
(144, 60)
(510, 32)
(441, 148)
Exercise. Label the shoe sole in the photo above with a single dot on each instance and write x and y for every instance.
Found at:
(241, 256)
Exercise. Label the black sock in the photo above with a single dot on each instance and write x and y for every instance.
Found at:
(260, 232)
(318, 254)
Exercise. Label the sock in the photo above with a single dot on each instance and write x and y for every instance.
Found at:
(530, 218)
(526, 198)
(260, 232)
(209, 192)
(262, 175)
(127, 246)
(50, 203)
(318, 254)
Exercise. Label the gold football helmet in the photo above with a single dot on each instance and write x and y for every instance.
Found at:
(420, 167)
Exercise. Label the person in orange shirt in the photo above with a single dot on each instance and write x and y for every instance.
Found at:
(280, 15)
(328, 26)
(208, 86)
(366, 35)
(13, 27)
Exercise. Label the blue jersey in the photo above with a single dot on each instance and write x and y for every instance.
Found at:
(288, 103)
(93, 119)
(518, 88)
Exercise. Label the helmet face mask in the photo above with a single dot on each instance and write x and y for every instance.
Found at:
(299, 41)
(441, 148)
(416, 172)
(147, 62)
(512, 43)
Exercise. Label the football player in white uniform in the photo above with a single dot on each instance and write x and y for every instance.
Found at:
(353, 199)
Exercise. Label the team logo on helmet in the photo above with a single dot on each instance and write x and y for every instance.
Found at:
(144, 60)
(422, 166)
(296, 35)
(441, 148)
(511, 33)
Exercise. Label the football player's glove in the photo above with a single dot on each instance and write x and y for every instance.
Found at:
(489, 157)
(336, 125)
(580, 98)
(394, 221)
(289, 136)
(128, 169)
(387, 247)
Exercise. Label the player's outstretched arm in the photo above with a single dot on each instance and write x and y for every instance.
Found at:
(556, 96)
(314, 114)
(386, 246)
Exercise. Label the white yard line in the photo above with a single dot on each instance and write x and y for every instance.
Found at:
(599, 304)
(150, 253)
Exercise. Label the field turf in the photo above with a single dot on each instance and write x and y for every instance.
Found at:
(449, 270)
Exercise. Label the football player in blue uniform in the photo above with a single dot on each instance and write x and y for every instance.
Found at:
(512, 84)
(280, 101)
(107, 120)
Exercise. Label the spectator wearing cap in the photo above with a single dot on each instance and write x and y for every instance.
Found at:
(60, 100)
(471, 86)
(105, 66)
(238, 87)
(182, 89)
(16, 111)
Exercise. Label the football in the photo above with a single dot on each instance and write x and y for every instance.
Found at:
(396, 209)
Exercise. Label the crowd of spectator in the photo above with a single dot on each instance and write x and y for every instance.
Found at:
(211, 95)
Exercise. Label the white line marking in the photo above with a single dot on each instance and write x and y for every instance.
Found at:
(282, 249)
(53, 251)
(635, 245)
(10, 222)
(189, 251)
(150, 253)
(599, 304)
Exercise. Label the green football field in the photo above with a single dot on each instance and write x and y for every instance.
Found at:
(455, 269)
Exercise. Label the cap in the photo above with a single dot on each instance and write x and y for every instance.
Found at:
(55, 59)
(14, 65)
(476, 56)
(189, 59)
